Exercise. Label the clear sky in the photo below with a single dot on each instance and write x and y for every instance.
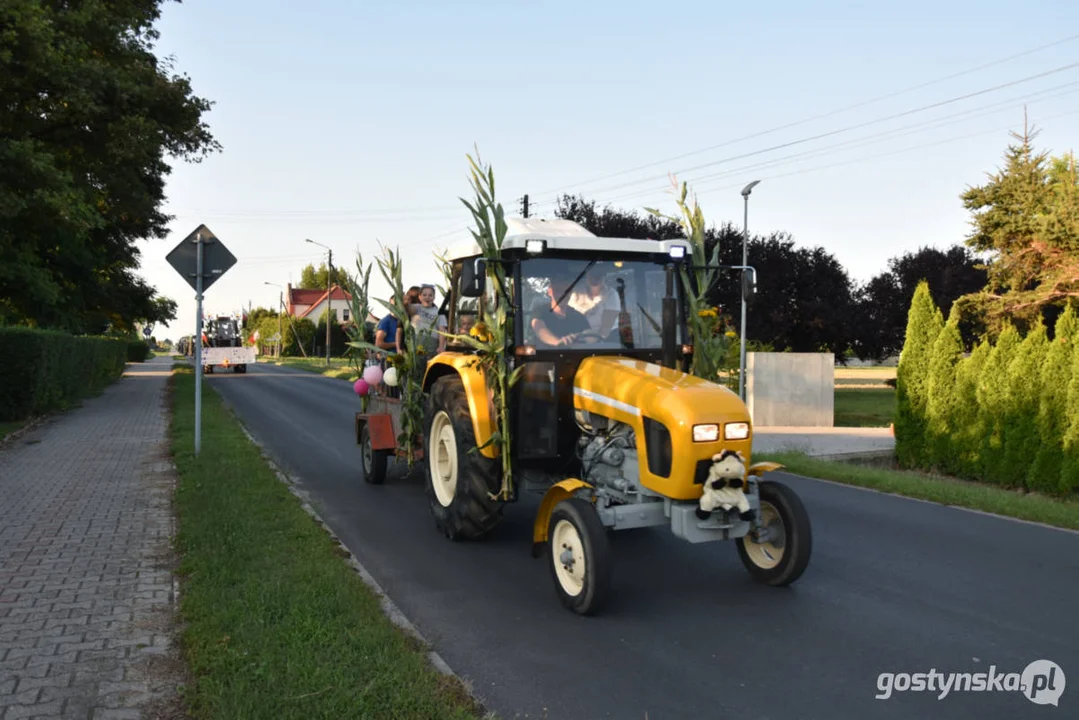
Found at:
(348, 122)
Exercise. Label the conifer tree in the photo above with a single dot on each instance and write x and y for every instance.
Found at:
(969, 419)
(924, 323)
(942, 400)
(1021, 437)
(1069, 474)
(993, 393)
(1052, 409)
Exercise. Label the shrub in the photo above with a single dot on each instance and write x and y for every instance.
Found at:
(138, 351)
(1021, 438)
(993, 400)
(942, 401)
(924, 323)
(1052, 407)
(1069, 473)
(45, 370)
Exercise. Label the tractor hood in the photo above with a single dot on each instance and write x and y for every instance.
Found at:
(663, 405)
(635, 388)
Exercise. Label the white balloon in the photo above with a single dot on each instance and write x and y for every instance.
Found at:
(390, 377)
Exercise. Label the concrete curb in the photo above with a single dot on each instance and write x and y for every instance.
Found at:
(394, 613)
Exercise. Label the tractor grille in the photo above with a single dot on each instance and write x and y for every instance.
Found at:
(703, 466)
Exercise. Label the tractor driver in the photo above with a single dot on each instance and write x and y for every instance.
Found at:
(557, 323)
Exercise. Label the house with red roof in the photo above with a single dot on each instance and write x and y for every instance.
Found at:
(311, 304)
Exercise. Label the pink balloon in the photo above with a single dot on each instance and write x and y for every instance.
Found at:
(361, 387)
(372, 374)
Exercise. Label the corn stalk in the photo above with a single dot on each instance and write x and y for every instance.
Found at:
(411, 363)
(360, 307)
(490, 336)
(708, 332)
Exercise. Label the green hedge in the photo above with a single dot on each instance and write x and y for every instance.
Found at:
(42, 370)
(138, 351)
(1007, 414)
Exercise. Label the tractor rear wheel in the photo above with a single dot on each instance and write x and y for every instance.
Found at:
(783, 555)
(457, 482)
(579, 556)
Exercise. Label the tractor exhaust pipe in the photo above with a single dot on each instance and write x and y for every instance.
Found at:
(670, 322)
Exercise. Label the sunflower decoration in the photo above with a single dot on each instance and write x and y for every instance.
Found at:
(481, 332)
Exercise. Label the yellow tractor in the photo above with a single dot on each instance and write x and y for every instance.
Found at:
(605, 427)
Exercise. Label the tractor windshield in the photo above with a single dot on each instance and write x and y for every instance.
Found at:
(593, 304)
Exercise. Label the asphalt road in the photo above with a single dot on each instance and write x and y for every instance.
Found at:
(895, 585)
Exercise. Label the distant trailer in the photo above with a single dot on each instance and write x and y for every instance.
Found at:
(238, 358)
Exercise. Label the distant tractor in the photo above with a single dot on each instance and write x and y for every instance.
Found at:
(223, 345)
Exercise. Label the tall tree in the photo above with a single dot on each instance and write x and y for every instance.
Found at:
(315, 279)
(88, 118)
(884, 300)
(1026, 216)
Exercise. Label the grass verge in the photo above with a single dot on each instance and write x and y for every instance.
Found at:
(276, 623)
(864, 407)
(7, 428)
(935, 488)
(339, 367)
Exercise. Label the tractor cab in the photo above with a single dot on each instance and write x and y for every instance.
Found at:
(575, 296)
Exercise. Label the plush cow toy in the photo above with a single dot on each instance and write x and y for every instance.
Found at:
(723, 488)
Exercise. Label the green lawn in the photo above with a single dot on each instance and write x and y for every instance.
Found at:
(276, 623)
(864, 407)
(947, 491)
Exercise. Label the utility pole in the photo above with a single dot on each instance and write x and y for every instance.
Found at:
(329, 302)
(745, 261)
(524, 205)
(329, 305)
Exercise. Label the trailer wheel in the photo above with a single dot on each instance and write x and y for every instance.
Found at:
(374, 461)
(784, 555)
(457, 482)
(579, 556)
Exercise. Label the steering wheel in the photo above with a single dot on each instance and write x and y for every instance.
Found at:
(589, 336)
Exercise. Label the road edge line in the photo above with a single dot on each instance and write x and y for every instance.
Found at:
(389, 607)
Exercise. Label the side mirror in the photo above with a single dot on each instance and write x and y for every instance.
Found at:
(473, 277)
(749, 284)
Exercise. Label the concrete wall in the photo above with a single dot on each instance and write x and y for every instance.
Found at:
(791, 389)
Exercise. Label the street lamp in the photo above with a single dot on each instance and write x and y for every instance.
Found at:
(280, 312)
(745, 261)
(329, 300)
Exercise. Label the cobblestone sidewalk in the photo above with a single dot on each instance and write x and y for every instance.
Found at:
(86, 590)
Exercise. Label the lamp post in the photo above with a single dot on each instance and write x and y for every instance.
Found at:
(280, 312)
(745, 261)
(329, 300)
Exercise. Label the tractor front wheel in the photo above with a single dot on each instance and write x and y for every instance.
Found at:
(781, 554)
(579, 555)
(458, 479)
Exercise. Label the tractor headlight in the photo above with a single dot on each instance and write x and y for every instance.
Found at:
(705, 433)
(736, 431)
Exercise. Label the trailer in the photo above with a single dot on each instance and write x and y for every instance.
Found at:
(377, 431)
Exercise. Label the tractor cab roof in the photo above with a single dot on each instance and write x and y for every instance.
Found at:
(543, 236)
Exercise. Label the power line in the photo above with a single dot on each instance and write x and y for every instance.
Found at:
(856, 160)
(822, 116)
(934, 124)
(848, 128)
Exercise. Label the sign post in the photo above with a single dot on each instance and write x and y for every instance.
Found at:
(201, 259)
(198, 343)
